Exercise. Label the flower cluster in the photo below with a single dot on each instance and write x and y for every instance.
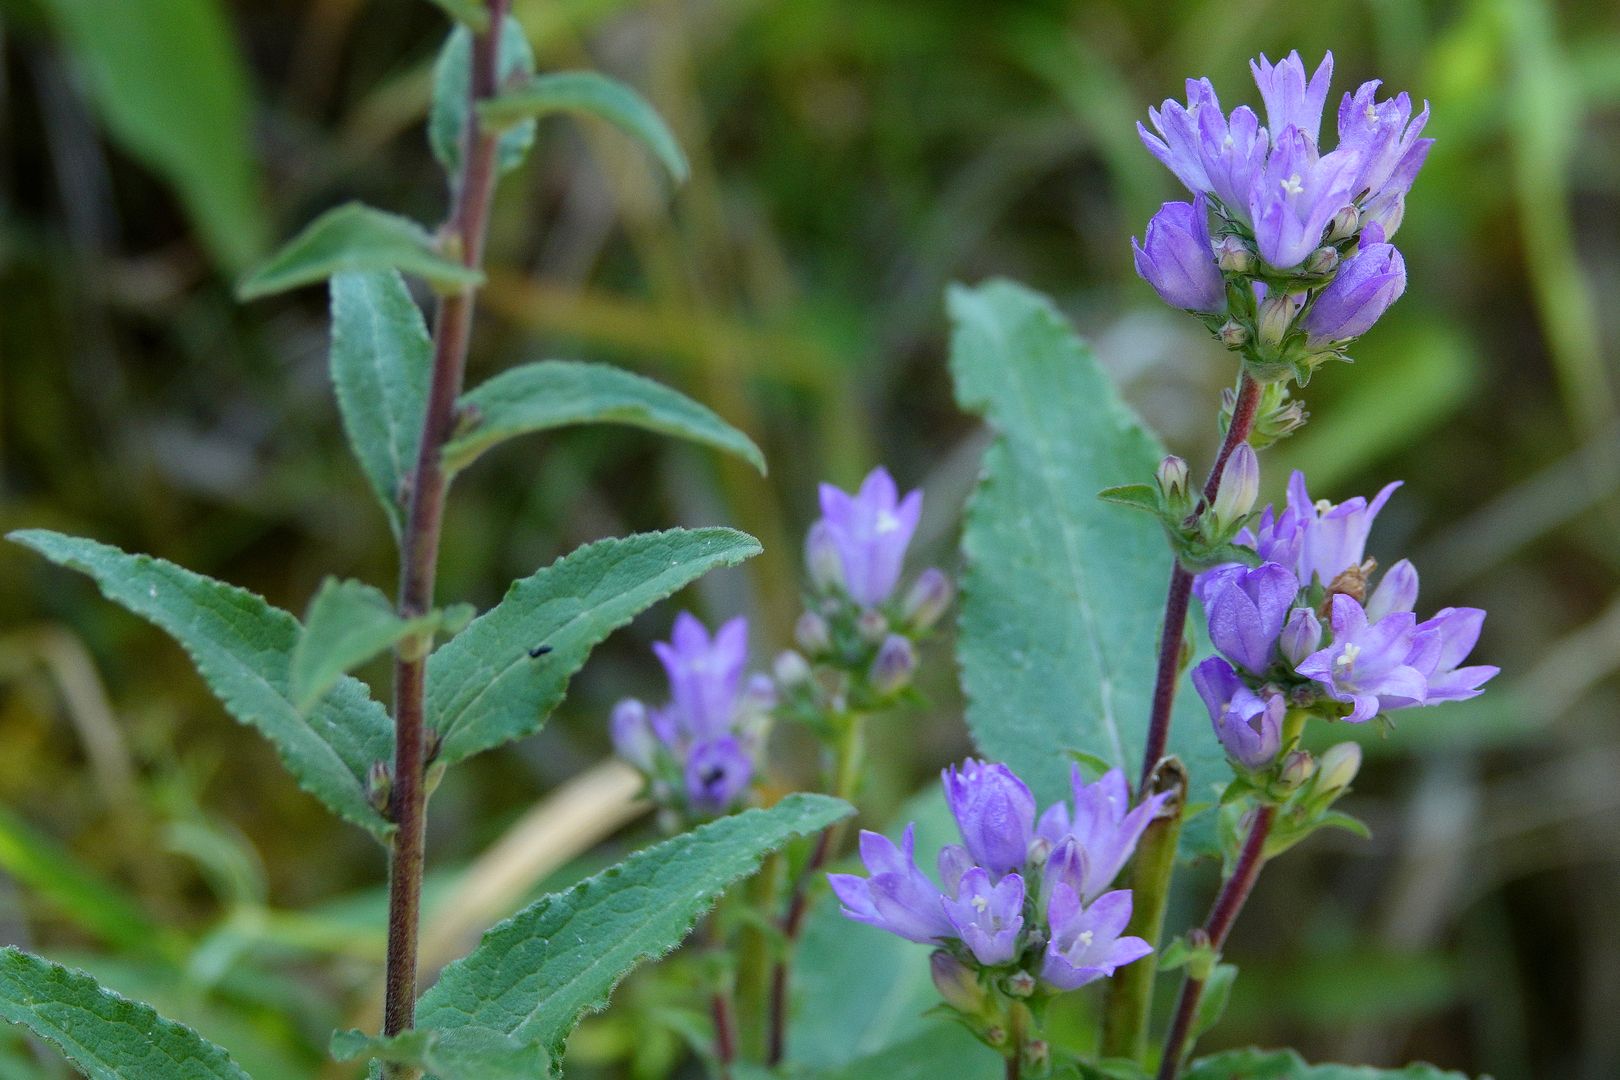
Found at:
(1025, 910)
(698, 752)
(1307, 629)
(859, 629)
(1298, 262)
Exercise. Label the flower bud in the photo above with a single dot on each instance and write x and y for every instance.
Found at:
(1322, 261)
(893, 665)
(1276, 316)
(873, 626)
(1233, 334)
(1301, 636)
(1176, 258)
(928, 599)
(1345, 224)
(822, 559)
(1233, 255)
(1173, 477)
(956, 983)
(1297, 767)
(1339, 767)
(380, 787)
(1240, 486)
(633, 737)
(1037, 1055)
(1364, 288)
(791, 669)
(1020, 984)
(812, 634)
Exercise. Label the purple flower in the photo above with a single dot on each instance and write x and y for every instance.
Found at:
(1249, 727)
(1333, 538)
(1246, 610)
(1366, 285)
(897, 897)
(1386, 135)
(893, 665)
(995, 814)
(1397, 591)
(704, 673)
(1180, 144)
(1301, 635)
(869, 532)
(1177, 260)
(632, 732)
(1232, 153)
(1367, 663)
(988, 917)
(1290, 100)
(716, 775)
(1103, 823)
(1086, 944)
(1296, 196)
(1444, 642)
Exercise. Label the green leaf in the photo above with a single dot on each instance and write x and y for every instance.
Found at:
(1287, 1065)
(382, 363)
(484, 686)
(588, 93)
(1135, 496)
(941, 1049)
(535, 975)
(355, 237)
(452, 82)
(189, 118)
(242, 647)
(464, 1053)
(1063, 595)
(348, 623)
(467, 12)
(555, 393)
(107, 1036)
(1217, 995)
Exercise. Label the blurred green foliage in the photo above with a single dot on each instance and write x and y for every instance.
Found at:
(848, 160)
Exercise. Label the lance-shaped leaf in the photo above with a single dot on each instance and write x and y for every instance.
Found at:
(1063, 593)
(382, 363)
(1287, 1065)
(463, 1053)
(452, 79)
(467, 12)
(107, 1036)
(500, 678)
(556, 393)
(535, 975)
(242, 647)
(587, 93)
(348, 623)
(356, 237)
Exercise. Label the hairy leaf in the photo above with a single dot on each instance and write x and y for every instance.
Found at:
(243, 649)
(452, 81)
(107, 1036)
(382, 363)
(463, 1053)
(536, 974)
(1063, 593)
(348, 623)
(500, 678)
(587, 93)
(556, 393)
(1287, 1065)
(360, 238)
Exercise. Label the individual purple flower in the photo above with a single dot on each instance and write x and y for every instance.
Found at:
(1366, 665)
(1444, 642)
(1104, 824)
(1386, 136)
(1333, 538)
(1290, 100)
(897, 897)
(1275, 538)
(1232, 151)
(633, 737)
(1296, 196)
(1366, 285)
(1177, 260)
(704, 673)
(869, 531)
(1397, 591)
(995, 814)
(1248, 726)
(1179, 144)
(1246, 610)
(988, 917)
(1086, 944)
(1301, 635)
(717, 774)
(892, 667)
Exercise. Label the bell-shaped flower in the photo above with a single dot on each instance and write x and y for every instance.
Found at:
(716, 775)
(1301, 635)
(1177, 260)
(632, 733)
(1086, 944)
(1291, 100)
(1248, 726)
(1296, 196)
(1333, 537)
(869, 532)
(1366, 285)
(1397, 591)
(1444, 643)
(1385, 133)
(1367, 663)
(1103, 823)
(1246, 611)
(704, 673)
(988, 917)
(897, 897)
(1233, 151)
(995, 814)
(1179, 142)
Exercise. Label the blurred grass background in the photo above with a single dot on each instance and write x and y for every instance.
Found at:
(850, 159)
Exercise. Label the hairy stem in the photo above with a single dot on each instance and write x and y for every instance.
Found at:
(419, 545)
(1178, 1042)
(1175, 603)
(1130, 993)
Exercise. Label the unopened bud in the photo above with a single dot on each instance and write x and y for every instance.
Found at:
(1322, 261)
(1037, 1055)
(1276, 316)
(1233, 334)
(893, 665)
(821, 558)
(1020, 984)
(380, 787)
(873, 626)
(1339, 767)
(929, 597)
(791, 669)
(1173, 478)
(812, 634)
(955, 982)
(1240, 486)
(1345, 223)
(1301, 635)
(1233, 255)
(1040, 849)
(1297, 768)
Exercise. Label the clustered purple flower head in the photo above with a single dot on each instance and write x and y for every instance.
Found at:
(698, 751)
(1306, 629)
(1022, 896)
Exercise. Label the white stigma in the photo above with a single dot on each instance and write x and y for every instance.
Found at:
(886, 522)
(979, 903)
(1323, 506)
(1085, 938)
(1372, 115)
(1292, 186)
(1347, 659)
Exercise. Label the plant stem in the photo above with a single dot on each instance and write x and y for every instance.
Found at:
(1178, 1043)
(1014, 1067)
(725, 1032)
(1175, 603)
(1130, 993)
(419, 545)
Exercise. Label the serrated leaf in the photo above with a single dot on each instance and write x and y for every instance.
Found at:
(355, 237)
(464, 1053)
(107, 1036)
(535, 975)
(484, 686)
(452, 81)
(348, 623)
(382, 362)
(556, 393)
(242, 647)
(1135, 496)
(589, 93)
(1063, 595)
(470, 13)
(1287, 1065)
